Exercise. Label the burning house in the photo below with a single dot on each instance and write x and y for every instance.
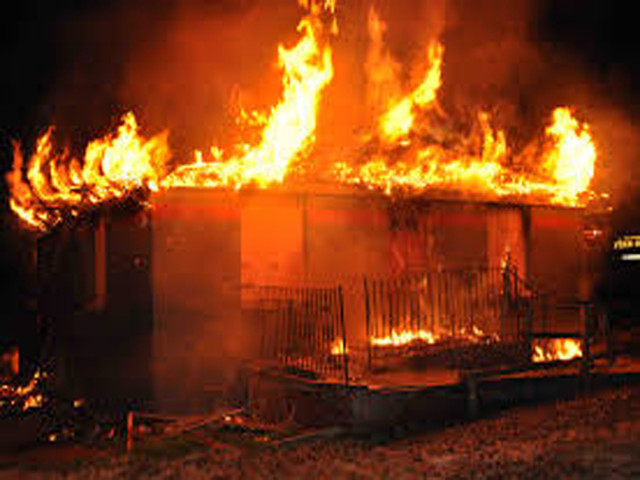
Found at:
(432, 241)
(159, 306)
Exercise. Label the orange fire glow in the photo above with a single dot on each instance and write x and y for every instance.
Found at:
(338, 348)
(289, 130)
(113, 166)
(404, 337)
(412, 146)
(417, 148)
(557, 349)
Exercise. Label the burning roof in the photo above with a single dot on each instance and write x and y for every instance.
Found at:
(413, 145)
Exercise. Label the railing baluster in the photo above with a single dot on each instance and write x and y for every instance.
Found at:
(311, 352)
(345, 357)
(430, 298)
(390, 305)
(413, 311)
(327, 306)
(367, 303)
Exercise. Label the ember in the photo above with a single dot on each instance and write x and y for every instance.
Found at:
(22, 397)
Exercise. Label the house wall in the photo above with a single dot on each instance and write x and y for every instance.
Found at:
(197, 333)
(148, 305)
(95, 306)
(557, 255)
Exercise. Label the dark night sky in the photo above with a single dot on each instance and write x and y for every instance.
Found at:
(45, 43)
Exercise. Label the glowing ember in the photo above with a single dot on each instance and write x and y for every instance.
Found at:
(557, 349)
(25, 396)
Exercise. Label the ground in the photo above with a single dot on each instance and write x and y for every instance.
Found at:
(591, 436)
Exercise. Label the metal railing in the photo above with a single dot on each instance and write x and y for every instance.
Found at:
(301, 329)
(458, 308)
(439, 307)
(446, 303)
(473, 319)
(542, 317)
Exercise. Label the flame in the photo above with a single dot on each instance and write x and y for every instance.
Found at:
(397, 122)
(572, 158)
(57, 185)
(289, 130)
(114, 165)
(397, 113)
(404, 337)
(556, 349)
(416, 147)
(338, 347)
(412, 146)
(482, 164)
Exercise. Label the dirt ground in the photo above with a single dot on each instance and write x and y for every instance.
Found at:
(594, 436)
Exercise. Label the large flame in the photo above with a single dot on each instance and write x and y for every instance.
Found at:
(417, 147)
(397, 121)
(289, 130)
(571, 159)
(57, 185)
(397, 111)
(481, 164)
(413, 146)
